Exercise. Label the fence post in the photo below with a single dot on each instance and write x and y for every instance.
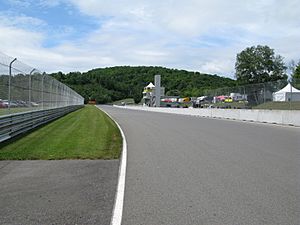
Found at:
(9, 83)
(51, 94)
(291, 94)
(29, 88)
(56, 93)
(44, 74)
(244, 97)
(264, 92)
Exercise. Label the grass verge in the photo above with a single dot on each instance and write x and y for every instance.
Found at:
(127, 101)
(279, 106)
(6, 111)
(87, 133)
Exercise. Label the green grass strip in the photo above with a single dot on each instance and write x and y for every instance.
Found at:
(279, 106)
(87, 133)
(126, 101)
(6, 111)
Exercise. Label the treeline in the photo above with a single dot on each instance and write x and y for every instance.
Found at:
(115, 83)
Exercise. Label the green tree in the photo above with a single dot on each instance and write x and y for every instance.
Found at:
(296, 75)
(120, 82)
(296, 72)
(174, 92)
(137, 97)
(258, 64)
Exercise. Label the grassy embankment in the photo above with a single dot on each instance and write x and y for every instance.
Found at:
(84, 134)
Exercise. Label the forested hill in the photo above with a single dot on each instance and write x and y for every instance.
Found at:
(115, 83)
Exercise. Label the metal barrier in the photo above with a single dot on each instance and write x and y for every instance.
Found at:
(29, 98)
(15, 124)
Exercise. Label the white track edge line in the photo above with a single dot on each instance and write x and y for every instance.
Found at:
(116, 218)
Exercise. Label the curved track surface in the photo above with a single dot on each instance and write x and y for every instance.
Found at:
(57, 192)
(190, 170)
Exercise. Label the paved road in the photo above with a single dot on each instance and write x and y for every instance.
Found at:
(64, 192)
(189, 170)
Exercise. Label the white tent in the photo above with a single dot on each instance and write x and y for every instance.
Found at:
(288, 93)
(150, 86)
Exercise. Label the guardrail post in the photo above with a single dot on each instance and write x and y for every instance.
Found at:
(9, 83)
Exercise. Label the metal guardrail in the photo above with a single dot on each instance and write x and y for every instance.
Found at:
(15, 124)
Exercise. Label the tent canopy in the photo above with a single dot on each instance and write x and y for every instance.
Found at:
(150, 85)
(288, 93)
(287, 88)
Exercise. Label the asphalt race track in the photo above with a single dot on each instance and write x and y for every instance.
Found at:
(190, 170)
(57, 192)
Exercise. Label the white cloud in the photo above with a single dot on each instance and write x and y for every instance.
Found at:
(30, 3)
(49, 3)
(19, 3)
(194, 34)
(11, 19)
(13, 39)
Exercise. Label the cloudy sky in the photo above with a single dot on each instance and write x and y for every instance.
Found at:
(198, 35)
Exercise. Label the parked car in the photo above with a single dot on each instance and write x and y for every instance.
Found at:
(3, 104)
(13, 104)
(34, 104)
(21, 103)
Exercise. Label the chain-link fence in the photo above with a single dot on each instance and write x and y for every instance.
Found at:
(279, 94)
(24, 88)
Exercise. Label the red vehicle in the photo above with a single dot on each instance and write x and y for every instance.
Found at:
(3, 104)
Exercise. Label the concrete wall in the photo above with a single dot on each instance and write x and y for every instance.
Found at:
(286, 117)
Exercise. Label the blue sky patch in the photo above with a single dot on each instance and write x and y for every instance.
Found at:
(62, 22)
